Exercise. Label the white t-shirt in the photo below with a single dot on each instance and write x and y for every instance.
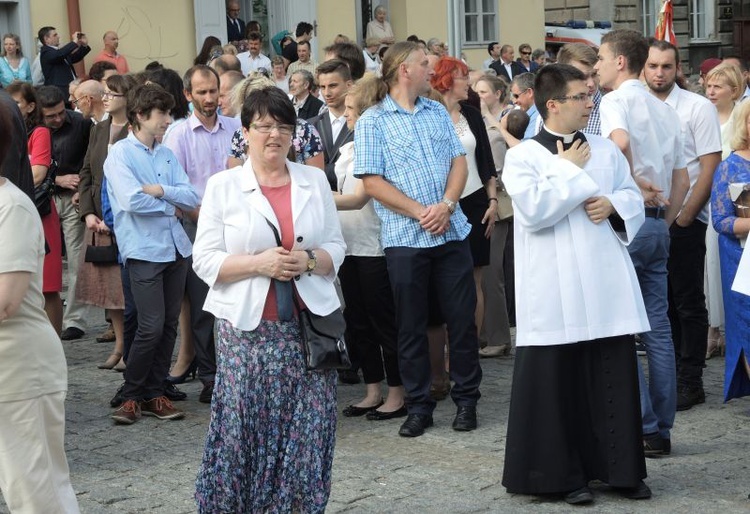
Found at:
(469, 142)
(701, 133)
(248, 63)
(361, 229)
(32, 362)
(654, 130)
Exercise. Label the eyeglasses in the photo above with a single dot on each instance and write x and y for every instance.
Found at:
(285, 130)
(110, 95)
(515, 96)
(582, 97)
(78, 100)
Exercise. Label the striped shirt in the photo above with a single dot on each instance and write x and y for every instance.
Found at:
(413, 151)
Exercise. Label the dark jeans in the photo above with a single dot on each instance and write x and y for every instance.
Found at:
(688, 316)
(370, 317)
(201, 322)
(157, 289)
(130, 314)
(447, 272)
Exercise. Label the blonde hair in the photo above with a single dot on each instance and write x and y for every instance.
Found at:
(731, 75)
(229, 49)
(251, 83)
(367, 91)
(394, 57)
(740, 136)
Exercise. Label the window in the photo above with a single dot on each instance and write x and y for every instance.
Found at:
(650, 10)
(702, 20)
(480, 21)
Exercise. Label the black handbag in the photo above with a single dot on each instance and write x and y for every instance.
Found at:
(44, 191)
(101, 255)
(323, 343)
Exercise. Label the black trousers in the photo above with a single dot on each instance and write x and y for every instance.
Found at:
(447, 272)
(370, 317)
(201, 322)
(688, 315)
(130, 314)
(157, 289)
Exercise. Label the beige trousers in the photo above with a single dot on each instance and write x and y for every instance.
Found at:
(76, 313)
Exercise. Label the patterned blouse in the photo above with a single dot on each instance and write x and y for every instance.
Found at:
(306, 143)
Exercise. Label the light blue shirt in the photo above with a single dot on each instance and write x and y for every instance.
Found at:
(532, 129)
(146, 227)
(413, 151)
(8, 74)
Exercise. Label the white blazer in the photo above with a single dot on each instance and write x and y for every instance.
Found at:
(233, 222)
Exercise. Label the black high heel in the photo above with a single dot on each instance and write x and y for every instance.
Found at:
(192, 370)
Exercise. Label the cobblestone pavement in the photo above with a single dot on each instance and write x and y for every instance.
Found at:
(151, 466)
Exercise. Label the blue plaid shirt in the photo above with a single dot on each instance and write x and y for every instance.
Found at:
(594, 125)
(413, 151)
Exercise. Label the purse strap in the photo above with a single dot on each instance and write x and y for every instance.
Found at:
(295, 298)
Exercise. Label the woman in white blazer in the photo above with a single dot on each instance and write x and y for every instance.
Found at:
(266, 406)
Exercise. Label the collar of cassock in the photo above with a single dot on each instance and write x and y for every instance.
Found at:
(549, 139)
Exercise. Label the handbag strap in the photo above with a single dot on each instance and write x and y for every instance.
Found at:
(295, 298)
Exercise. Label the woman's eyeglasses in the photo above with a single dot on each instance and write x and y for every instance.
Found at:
(285, 130)
(110, 95)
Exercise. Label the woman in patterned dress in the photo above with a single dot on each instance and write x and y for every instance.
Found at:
(270, 441)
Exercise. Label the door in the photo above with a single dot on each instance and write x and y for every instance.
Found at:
(285, 14)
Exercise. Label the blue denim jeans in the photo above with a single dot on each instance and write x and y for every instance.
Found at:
(649, 252)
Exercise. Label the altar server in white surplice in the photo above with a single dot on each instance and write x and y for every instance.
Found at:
(574, 411)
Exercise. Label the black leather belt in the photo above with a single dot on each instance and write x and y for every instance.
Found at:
(655, 212)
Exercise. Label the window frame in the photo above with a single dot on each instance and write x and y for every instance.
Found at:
(482, 39)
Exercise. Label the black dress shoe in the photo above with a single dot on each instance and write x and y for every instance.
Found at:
(639, 492)
(352, 411)
(118, 398)
(174, 394)
(466, 419)
(207, 392)
(71, 334)
(181, 379)
(377, 415)
(580, 496)
(415, 425)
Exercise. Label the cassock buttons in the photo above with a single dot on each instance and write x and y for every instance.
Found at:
(299, 239)
(297, 277)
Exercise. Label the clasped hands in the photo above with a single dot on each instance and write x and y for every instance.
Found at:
(435, 218)
(282, 264)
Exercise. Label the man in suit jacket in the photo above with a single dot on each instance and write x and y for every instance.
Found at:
(506, 66)
(57, 63)
(235, 26)
(334, 81)
(301, 83)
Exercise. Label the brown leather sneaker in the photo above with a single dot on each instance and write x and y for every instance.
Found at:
(128, 413)
(161, 408)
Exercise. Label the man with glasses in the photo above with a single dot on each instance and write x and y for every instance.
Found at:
(200, 145)
(574, 406)
(235, 26)
(70, 140)
(522, 93)
(88, 100)
(525, 58)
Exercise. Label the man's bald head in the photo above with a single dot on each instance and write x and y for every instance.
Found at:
(225, 63)
(88, 97)
(111, 40)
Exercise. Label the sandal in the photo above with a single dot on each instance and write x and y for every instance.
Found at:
(111, 362)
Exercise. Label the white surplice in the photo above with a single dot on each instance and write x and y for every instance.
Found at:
(574, 279)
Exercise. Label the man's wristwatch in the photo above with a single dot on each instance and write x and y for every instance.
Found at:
(450, 203)
(312, 261)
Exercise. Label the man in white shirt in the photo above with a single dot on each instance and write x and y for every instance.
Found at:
(334, 81)
(647, 131)
(506, 67)
(252, 60)
(574, 408)
(687, 255)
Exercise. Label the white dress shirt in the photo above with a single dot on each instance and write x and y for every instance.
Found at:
(250, 63)
(336, 125)
(654, 130)
(233, 222)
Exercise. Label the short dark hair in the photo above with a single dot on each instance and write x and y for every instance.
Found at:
(303, 28)
(254, 36)
(43, 33)
(267, 101)
(49, 96)
(491, 46)
(98, 68)
(171, 81)
(143, 99)
(631, 45)
(121, 84)
(552, 82)
(738, 58)
(203, 69)
(518, 122)
(335, 66)
(351, 54)
(28, 93)
(662, 45)
(154, 65)
(304, 43)
(413, 38)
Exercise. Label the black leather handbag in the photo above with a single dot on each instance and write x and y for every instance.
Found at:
(44, 191)
(101, 255)
(323, 343)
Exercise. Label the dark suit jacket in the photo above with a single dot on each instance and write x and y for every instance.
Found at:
(515, 68)
(92, 172)
(232, 33)
(310, 108)
(57, 64)
(331, 148)
(16, 166)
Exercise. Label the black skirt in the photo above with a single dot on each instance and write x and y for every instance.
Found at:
(574, 417)
(474, 206)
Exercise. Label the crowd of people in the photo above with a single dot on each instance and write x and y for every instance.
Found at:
(591, 204)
